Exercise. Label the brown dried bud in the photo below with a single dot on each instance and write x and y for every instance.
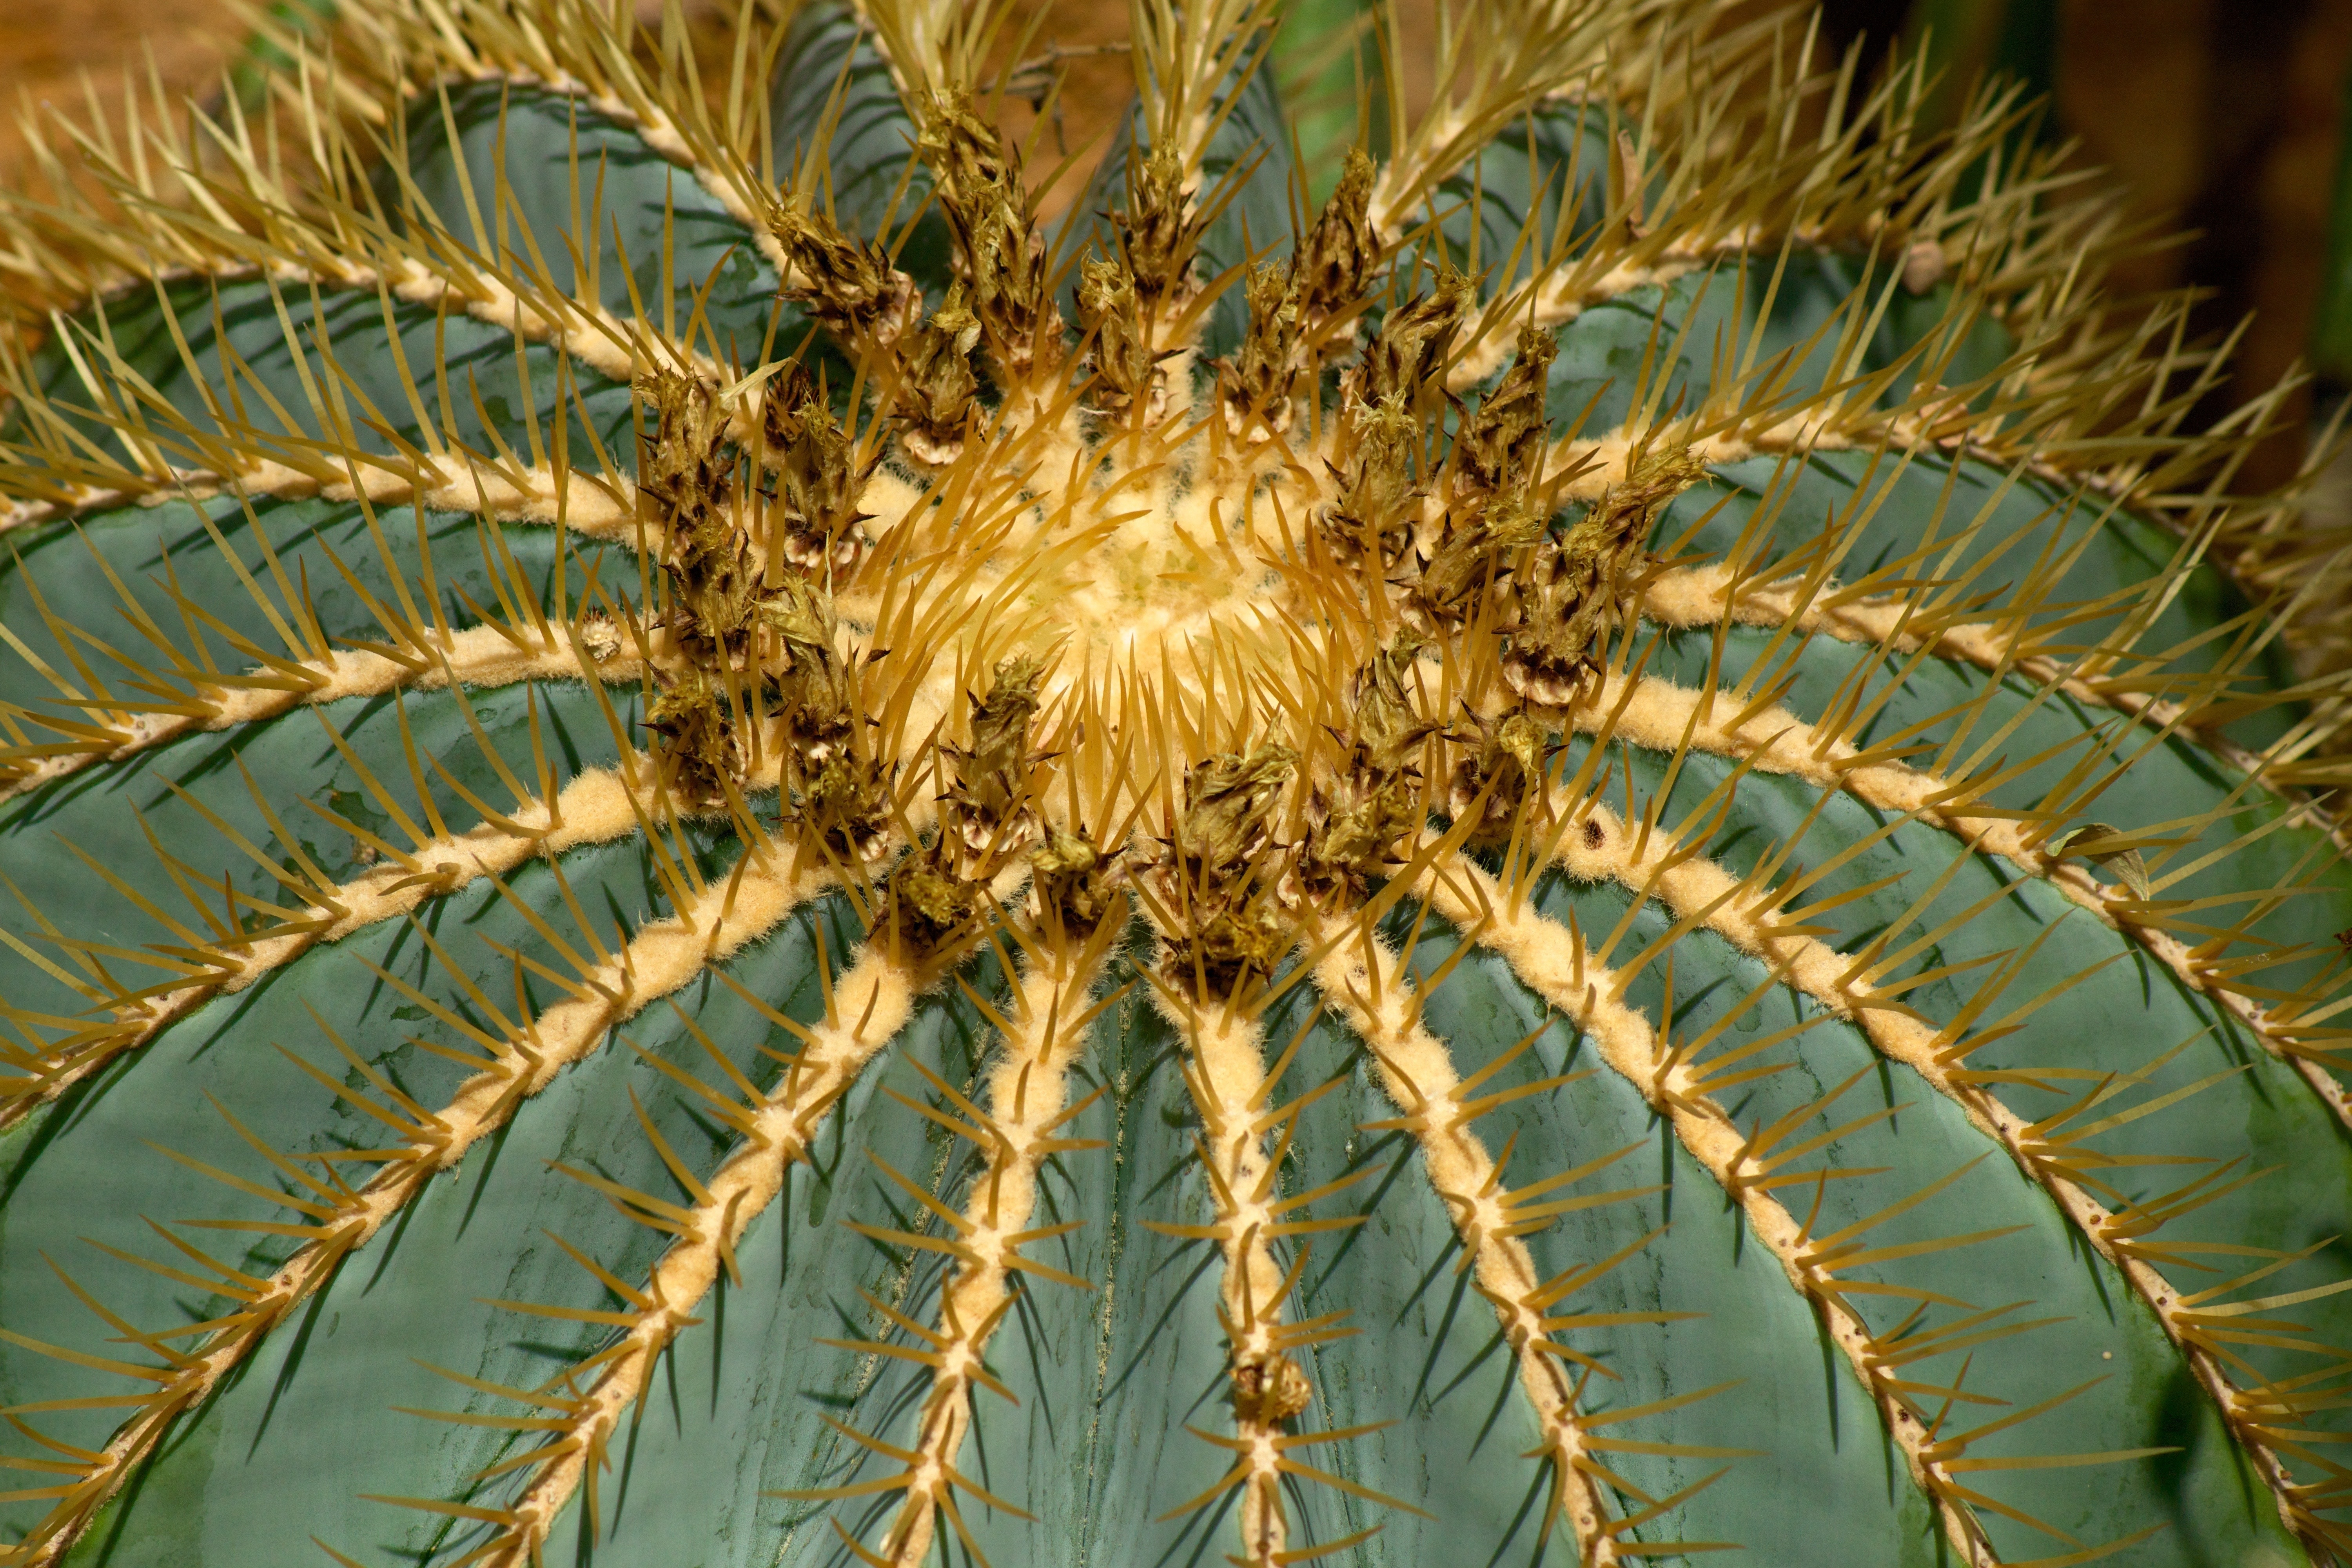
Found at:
(846, 801)
(686, 470)
(1227, 799)
(1508, 755)
(990, 799)
(1409, 353)
(684, 467)
(1570, 598)
(840, 788)
(1269, 1390)
(1380, 705)
(1126, 370)
(715, 603)
(818, 477)
(1219, 882)
(1377, 506)
(848, 285)
(1158, 232)
(939, 389)
(999, 251)
(928, 903)
(1339, 252)
(816, 689)
(1259, 381)
(695, 746)
(1071, 878)
(1500, 446)
(1360, 821)
(1476, 549)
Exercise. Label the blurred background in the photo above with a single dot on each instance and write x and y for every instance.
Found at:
(2223, 119)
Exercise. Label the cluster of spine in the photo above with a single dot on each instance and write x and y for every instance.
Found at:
(1476, 604)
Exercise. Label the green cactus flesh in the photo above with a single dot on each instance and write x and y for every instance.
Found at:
(1610, 848)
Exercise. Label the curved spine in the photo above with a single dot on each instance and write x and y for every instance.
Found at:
(663, 957)
(775, 1129)
(1698, 891)
(1552, 961)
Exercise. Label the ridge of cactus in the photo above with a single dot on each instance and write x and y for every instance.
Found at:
(1592, 835)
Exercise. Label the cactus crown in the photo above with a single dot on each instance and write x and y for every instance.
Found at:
(1609, 831)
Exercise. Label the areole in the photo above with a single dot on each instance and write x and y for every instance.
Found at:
(1582, 838)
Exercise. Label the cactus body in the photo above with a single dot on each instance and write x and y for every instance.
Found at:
(1606, 849)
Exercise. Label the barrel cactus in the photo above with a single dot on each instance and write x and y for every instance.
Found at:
(1572, 829)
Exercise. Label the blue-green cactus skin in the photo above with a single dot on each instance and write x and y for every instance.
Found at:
(303, 1443)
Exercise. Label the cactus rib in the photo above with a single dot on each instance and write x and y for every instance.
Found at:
(1698, 888)
(474, 657)
(1186, 683)
(1369, 988)
(521, 1059)
(776, 1129)
(1553, 961)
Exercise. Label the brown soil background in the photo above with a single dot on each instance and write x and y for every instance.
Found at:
(2224, 116)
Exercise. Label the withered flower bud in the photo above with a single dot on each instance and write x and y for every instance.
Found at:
(846, 801)
(714, 603)
(1380, 705)
(848, 285)
(939, 390)
(1218, 886)
(961, 149)
(1339, 252)
(1474, 550)
(1227, 799)
(1269, 1390)
(1072, 879)
(928, 904)
(993, 777)
(686, 475)
(684, 465)
(1501, 444)
(1570, 599)
(1126, 370)
(818, 477)
(1410, 352)
(1261, 378)
(999, 251)
(695, 746)
(815, 689)
(1508, 755)
(841, 789)
(1360, 821)
(1378, 502)
(600, 634)
(1159, 233)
